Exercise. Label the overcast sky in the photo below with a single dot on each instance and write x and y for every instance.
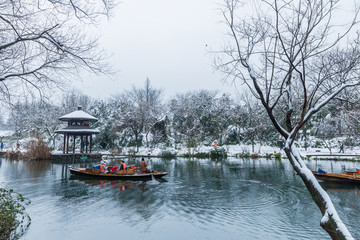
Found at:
(164, 40)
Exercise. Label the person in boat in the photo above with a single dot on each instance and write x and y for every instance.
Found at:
(122, 165)
(103, 167)
(143, 166)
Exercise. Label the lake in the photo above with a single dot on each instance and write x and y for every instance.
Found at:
(198, 199)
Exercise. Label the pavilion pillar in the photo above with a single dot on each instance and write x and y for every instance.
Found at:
(67, 143)
(64, 143)
(81, 144)
(90, 142)
(74, 145)
(86, 142)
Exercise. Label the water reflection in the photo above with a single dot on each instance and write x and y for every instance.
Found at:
(115, 184)
(198, 199)
(29, 169)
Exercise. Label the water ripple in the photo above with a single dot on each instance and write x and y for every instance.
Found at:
(243, 204)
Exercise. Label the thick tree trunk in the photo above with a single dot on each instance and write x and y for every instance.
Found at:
(330, 221)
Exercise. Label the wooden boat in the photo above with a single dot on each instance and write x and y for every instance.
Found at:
(352, 177)
(120, 174)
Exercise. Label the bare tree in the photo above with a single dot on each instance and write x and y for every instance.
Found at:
(295, 56)
(43, 43)
(73, 99)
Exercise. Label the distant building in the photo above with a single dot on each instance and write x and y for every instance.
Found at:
(78, 126)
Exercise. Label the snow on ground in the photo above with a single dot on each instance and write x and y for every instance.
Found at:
(6, 133)
(233, 150)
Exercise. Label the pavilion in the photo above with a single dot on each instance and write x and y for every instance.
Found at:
(78, 126)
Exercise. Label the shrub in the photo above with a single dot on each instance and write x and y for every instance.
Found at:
(37, 149)
(277, 155)
(186, 155)
(218, 153)
(244, 154)
(167, 155)
(201, 155)
(14, 221)
(318, 144)
(196, 155)
(13, 155)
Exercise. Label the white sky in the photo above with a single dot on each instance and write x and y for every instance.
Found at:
(164, 40)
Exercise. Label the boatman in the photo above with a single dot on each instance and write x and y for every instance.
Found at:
(143, 166)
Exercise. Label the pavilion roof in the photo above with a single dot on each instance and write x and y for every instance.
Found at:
(78, 131)
(78, 115)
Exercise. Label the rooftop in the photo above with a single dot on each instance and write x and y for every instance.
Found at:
(78, 115)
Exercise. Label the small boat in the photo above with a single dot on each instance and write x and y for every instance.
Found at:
(120, 174)
(352, 177)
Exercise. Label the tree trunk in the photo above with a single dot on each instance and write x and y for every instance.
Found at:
(253, 145)
(330, 221)
(146, 139)
(137, 141)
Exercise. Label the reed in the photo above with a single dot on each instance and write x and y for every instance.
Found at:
(37, 149)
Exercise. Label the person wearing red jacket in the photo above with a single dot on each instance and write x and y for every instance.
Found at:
(103, 167)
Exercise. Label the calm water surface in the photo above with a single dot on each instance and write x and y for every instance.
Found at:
(198, 199)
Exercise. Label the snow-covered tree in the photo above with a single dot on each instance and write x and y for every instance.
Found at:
(295, 56)
(103, 111)
(36, 117)
(325, 130)
(148, 101)
(138, 110)
(220, 116)
(45, 44)
(200, 117)
(189, 117)
(127, 116)
(256, 125)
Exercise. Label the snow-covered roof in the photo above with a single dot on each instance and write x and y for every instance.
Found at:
(78, 115)
(89, 130)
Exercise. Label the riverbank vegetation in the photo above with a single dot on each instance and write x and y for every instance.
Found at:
(186, 121)
(13, 218)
